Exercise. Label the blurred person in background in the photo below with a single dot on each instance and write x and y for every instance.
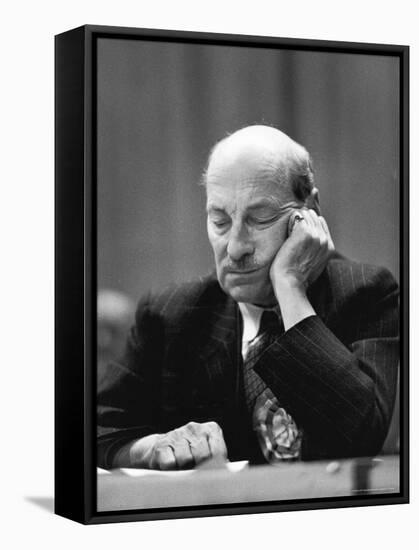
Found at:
(288, 352)
(114, 316)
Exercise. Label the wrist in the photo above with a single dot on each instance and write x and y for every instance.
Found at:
(141, 451)
(293, 302)
(289, 284)
(135, 454)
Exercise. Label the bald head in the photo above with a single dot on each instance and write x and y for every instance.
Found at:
(268, 153)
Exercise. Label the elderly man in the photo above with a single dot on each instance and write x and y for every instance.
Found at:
(290, 352)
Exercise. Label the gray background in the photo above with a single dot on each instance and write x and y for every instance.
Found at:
(161, 106)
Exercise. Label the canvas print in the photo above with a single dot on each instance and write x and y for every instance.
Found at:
(248, 273)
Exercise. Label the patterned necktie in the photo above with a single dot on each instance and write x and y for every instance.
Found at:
(253, 384)
(279, 437)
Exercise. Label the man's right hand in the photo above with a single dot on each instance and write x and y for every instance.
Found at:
(184, 447)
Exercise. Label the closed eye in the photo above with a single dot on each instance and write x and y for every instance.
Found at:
(262, 221)
(220, 223)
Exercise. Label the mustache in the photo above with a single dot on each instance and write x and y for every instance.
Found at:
(244, 264)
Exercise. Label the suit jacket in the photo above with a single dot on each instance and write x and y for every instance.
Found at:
(335, 373)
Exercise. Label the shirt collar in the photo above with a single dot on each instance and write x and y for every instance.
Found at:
(252, 315)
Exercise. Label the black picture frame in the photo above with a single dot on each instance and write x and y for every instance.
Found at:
(76, 278)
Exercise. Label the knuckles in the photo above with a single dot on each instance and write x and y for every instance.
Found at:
(163, 442)
(192, 427)
(163, 458)
(213, 427)
(168, 450)
(316, 238)
(201, 429)
(311, 237)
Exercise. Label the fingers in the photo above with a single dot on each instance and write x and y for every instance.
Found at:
(200, 449)
(312, 201)
(216, 441)
(309, 218)
(317, 226)
(164, 458)
(313, 221)
(172, 452)
(305, 217)
(331, 245)
(206, 440)
(188, 446)
(182, 452)
(303, 256)
(321, 233)
(295, 218)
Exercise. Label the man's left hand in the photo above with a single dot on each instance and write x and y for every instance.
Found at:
(305, 252)
(298, 263)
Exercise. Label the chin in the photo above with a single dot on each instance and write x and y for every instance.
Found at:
(251, 294)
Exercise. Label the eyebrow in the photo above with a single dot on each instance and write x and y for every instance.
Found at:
(264, 203)
(215, 209)
(257, 204)
(269, 203)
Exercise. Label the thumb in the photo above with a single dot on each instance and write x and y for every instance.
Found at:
(313, 201)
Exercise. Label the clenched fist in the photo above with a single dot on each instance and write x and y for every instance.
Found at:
(184, 447)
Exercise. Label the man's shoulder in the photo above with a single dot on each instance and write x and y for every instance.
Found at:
(176, 301)
(352, 275)
(351, 284)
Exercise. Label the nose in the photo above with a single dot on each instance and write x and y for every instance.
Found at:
(239, 243)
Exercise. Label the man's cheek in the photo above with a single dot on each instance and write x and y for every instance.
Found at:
(269, 253)
(278, 241)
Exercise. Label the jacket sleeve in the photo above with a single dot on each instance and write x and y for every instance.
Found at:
(340, 394)
(125, 408)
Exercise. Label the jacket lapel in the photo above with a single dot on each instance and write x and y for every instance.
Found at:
(220, 355)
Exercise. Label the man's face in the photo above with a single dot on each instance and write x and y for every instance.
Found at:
(247, 220)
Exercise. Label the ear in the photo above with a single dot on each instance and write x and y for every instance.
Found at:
(313, 201)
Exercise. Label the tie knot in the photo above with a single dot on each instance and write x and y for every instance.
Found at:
(269, 323)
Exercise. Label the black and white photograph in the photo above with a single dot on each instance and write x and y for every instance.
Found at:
(208, 248)
(248, 274)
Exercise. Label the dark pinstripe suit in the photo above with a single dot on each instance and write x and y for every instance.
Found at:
(335, 372)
